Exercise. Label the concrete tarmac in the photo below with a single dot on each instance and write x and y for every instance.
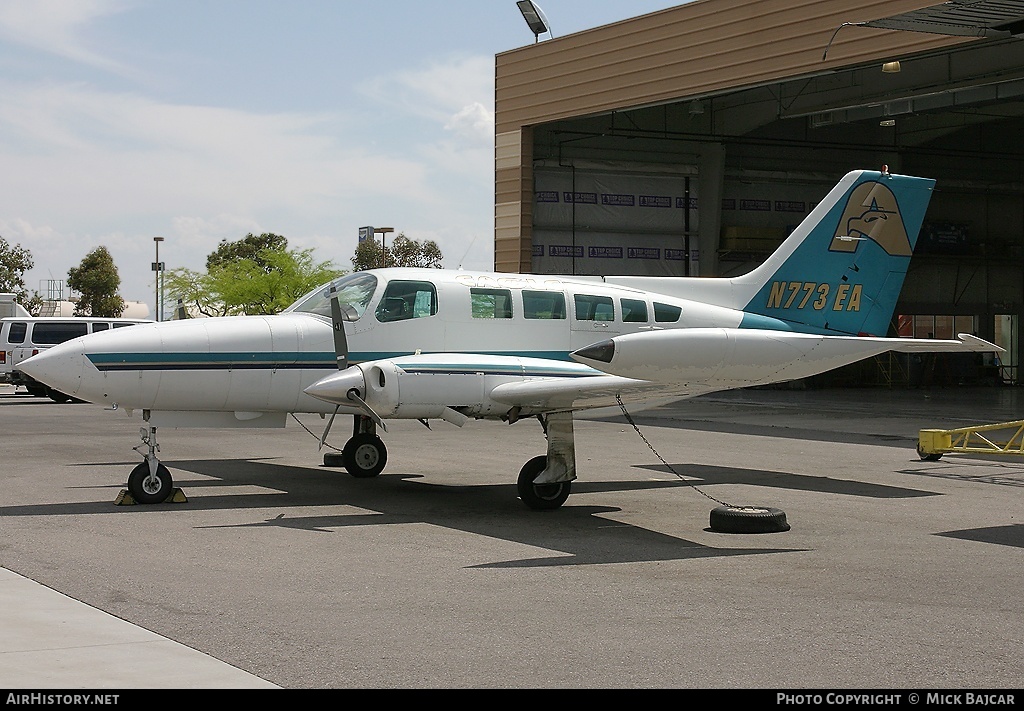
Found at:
(278, 572)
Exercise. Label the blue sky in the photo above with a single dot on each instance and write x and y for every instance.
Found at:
(202, 120)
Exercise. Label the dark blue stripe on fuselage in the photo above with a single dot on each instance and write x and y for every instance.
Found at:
(112, 362)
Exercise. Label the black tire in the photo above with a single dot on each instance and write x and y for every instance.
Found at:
(150, 492)
(925, 456)
(540, 497)
(364, 456)
(748, 519)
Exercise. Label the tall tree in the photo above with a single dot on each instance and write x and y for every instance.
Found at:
(264, 284)
(403, 252)
(97, 280)
(249, 247)
(15, 260)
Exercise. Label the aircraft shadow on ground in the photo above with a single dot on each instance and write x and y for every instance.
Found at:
(706, 474)
(579, 533)
(1011, 535)
(772, 430)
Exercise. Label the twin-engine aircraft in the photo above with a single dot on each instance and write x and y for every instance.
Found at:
(452, 345)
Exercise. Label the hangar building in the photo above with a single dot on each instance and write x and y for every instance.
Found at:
(690, 141)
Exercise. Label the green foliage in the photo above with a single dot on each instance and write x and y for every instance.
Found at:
(249, 247)
(402, 252)
(97, 280)
(14, 262)
(264, 283)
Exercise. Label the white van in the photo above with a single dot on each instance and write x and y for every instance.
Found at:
(23, 337)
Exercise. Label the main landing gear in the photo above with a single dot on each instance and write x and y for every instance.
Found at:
(364, 454)
(544, 482)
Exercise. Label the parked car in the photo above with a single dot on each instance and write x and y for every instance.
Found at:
(23, 337)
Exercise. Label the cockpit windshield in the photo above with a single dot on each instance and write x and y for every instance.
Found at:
(354, 294)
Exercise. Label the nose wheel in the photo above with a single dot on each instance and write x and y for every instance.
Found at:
(148, 487)
(150, 482)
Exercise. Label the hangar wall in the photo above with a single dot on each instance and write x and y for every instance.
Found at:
(692, 140)
(700, 48)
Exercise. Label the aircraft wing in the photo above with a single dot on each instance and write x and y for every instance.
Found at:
(641, 369)
(456, 386)
(726, 358)
(584, 393)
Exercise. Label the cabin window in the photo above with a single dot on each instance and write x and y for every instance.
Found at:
(404, 300)
(97, 327)
(118, 325)
(594, 308)
(17, 332)
(354, 293)
(491, 303)
(50, 334)
(666, 313)
(543, 304)
(633, 310)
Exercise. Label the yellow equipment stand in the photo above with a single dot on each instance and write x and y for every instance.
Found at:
(979, 439)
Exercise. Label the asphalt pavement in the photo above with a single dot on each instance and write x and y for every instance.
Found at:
(897, 573)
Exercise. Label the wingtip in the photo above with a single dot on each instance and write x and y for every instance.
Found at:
(979, 344)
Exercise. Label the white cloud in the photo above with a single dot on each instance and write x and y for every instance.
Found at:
(443, 93)
(85, 167)
(56, 27)
(473, 123)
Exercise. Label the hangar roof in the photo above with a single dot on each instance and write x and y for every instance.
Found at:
(997, 19)
(709, 47)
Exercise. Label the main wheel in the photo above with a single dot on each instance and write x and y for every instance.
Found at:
(150, 490)
(540, 497)
(364, 455)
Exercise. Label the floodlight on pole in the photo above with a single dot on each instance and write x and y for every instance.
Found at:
(158, 269)
(535, 18)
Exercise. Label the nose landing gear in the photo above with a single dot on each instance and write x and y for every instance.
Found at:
(150, 482)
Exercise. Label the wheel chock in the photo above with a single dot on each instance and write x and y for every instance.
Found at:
(177, 496)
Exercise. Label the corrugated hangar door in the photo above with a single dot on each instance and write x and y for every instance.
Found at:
(598, 220)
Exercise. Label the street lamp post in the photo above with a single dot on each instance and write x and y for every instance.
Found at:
(383, 231)
(158, 269)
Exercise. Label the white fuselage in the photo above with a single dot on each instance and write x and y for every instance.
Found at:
(253, 364)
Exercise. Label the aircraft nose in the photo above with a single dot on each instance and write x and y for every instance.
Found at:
(59, 367)
(335, 387)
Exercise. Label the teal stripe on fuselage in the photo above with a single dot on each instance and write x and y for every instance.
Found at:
(767, 323)
(262, 361)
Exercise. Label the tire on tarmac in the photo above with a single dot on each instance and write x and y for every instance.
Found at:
(748, 519)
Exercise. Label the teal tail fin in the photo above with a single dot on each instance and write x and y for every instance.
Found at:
(842, 268)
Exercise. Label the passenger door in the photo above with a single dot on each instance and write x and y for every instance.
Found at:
(592, 319)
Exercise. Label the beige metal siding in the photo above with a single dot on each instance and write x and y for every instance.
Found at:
(702, 47)
(699, 48)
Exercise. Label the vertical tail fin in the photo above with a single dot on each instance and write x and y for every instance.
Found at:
(842, 268)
